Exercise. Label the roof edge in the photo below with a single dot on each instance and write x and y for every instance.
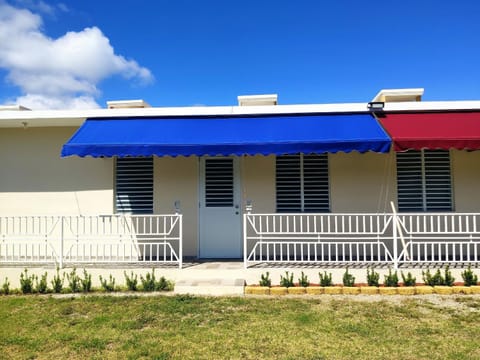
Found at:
(48, 118)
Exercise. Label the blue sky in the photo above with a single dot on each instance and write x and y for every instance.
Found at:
(186, 53)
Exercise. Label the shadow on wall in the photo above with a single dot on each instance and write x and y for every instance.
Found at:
(30, 162)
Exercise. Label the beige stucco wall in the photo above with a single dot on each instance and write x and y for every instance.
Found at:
(258, 182)
(34, 180)
(358, 182)
(177, 179)
(361, 182)
(466, 180)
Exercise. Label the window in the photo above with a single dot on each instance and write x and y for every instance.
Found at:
(424, 181)
(302, 183)
(134, 185)
(219, 183)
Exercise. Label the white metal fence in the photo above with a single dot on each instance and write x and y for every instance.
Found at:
(268, 238)
(446, 237)
(91, 239)
(361, 238)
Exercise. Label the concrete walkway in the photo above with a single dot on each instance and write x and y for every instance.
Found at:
(218, 277)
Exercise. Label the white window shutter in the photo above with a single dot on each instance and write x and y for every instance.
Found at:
(302, 183)
(438, 181)
(134, 185)
(424, 181)
(410, 181)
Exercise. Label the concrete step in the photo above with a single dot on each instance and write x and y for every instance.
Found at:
(212, 287)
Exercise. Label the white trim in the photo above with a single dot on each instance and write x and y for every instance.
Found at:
(48, 118)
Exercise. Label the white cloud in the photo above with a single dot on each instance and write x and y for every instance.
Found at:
(62, 72)
(62, 7)
(39, 6)
(40, 101)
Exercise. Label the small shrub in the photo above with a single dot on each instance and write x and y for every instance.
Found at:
(41, 286)
(303, 280)
(26, 282)
(148, 283)
(286, 281)
(469, 278)
(164, 285)
(265, 280)
(437, 278)
(391, 280)
(73, 281)
(325, 279)
(6, 287)
(86, 282)
(448, 278)
(108, 285)
(348, 279)
(432, 280)
(57, 282)
(373, 277)
(409, 280)
(131, 281)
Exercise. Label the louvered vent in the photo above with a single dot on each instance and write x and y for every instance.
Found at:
(438, 180)
(424, 181)
(302, 183)
(219, 190)
(289, 184)
(134, 185)
(315, 183)
(410, 181)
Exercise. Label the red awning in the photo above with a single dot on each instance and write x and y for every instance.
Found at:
(451, 130)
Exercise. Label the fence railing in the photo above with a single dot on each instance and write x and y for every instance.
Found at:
(91, 239)
(361, 238)
(268, 238)
(430, 238)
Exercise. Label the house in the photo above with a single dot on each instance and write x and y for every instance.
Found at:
(392, 180)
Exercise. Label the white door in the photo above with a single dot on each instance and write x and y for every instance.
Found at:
(220, 217)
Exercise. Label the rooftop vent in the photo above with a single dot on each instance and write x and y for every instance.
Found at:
(127, 104)
(257, 100)
(399, 95)
(13, 108)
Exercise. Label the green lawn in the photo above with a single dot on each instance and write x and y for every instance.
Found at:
(185, 327)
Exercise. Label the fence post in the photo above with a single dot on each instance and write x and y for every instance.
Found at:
(180, 247)
(395, 238)
(248, 210)
(245, 240)
(61, 241)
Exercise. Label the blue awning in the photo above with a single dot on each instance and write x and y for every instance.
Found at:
(273, 134)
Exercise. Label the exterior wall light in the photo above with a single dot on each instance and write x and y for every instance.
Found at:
(376, 105)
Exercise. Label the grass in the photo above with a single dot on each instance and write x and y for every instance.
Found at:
(186, 327)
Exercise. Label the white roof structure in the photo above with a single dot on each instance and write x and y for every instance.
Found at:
(257, 100)
(399, 95)
(15, 116)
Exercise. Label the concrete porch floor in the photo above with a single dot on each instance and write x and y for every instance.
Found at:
(223, 277)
